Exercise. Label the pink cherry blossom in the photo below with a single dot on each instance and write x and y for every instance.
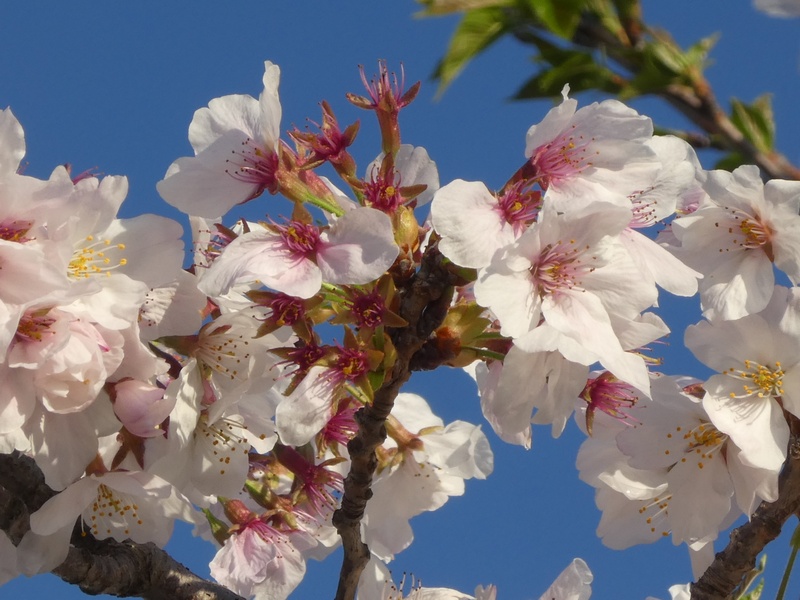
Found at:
(297, 258)
(141, 407)
(259, 561)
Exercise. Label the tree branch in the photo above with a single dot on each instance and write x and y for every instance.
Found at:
(99, 566)
(696, 102)
(731, 566)
(695, 99)
(423, 304)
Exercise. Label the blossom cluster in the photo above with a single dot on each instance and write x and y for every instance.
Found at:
(146, 392)
(569, 275)
(225, 394)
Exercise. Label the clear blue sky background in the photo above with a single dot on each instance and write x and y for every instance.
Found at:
(113, 85)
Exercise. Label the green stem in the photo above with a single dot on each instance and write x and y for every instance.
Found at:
(491, 335)
(357, 394)
(325, 205)
(484, 353)
(332, 293)
(795, 543)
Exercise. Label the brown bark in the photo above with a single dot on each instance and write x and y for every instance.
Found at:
(99, 566)
(424, 302)
(731, 566)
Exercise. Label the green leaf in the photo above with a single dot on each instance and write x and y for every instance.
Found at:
(755, 121)
(435, 8)
(627, 8)
(375, 379)
(562, 65)
(730, 161)
(755, 593)
(559, 16)
(609, 16)
(579, 70)
(477, 31)
(663, 63)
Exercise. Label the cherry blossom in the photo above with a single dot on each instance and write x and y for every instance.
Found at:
(118, 505)
(262, 557)
(779, 8)
(574, 274)
(544, 382)
(596, 152)
(145, 392)
(411, 171)
(425, 464)
(573, 583)
(12, 143)
(235, 140)
(474, 223)
(757, 360)
(297, 258)
(735, 236)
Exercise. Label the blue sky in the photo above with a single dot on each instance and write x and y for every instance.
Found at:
(113, 85)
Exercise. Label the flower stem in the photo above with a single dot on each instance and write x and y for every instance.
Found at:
(795, 543)
(484, 353)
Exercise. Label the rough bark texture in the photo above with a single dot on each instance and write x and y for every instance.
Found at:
(424, 302)
(99, 566)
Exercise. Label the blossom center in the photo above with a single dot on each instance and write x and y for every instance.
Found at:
(702, 442)
(644, 211)
(15, 231)
(383, 194)
(226, 354)
(368, 309)
(759, 380)
(96, 257)
(218, 240)
(286, 310)
(558, 268)
(608, 394)
(519, 205)
(108, 508)
(223, 439)
(564, 157)
(305, 356)
(749, 232)
(33, 326)
(253, 164)
(655, 513)
(351, 363)
(299, 237)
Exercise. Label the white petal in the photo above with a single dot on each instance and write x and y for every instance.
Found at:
(358, 248)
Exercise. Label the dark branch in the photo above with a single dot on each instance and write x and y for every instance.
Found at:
(424, 302)
(99, 566)
(731, 566)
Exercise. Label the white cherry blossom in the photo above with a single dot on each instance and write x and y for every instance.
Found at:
(596, 152)
(572, 272)
(758, 360)
(235, 140)
(120, 505)
(741, 228)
